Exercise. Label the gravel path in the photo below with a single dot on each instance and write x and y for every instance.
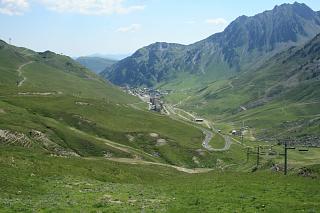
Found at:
(19, 70)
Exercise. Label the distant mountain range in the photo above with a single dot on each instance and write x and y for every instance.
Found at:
(115, 57)
(96, 64)
(244, 45)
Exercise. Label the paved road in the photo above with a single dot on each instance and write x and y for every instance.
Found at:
(19, 70)
(170, 111)
(207, 139)
(208, 134)
(243, 108)
(231, 85)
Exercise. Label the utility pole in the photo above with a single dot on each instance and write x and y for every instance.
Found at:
(285, 158)
(248, 153)
(257, 153)
(242, 130)
(10, 41)
(286, 148)
(258, 156)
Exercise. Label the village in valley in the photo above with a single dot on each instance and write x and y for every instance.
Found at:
(156, 103)
(154, 97)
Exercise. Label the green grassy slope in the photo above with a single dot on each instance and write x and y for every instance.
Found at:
(280, 98)
(82, 113)
(50, 72)
(32, 181)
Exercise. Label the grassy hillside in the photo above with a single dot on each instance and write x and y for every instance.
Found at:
(280, 98)
(32, 181)
(60, 106)
(49, 72)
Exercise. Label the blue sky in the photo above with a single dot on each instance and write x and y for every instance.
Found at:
(83, 27)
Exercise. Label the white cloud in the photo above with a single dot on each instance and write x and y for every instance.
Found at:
(91, 7)
(132, 28)
(13, 7)
(217, 21)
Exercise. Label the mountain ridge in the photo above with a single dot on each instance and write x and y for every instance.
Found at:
(283, 92)
(246, 41)
(96, 64)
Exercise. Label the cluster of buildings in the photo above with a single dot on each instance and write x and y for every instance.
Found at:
(155, 103)
(149, 95)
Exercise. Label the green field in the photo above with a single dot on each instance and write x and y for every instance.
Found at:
(217, 142)
(33, 181)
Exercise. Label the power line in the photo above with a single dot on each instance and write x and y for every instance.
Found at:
(286, 148)
(285, 154)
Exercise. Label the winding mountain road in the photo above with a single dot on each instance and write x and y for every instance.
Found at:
(171, 111)
(208, 134)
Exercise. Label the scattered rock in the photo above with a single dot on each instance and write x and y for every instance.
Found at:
(115, 201)
(108, 155)
(39, 93)
(130, 138)
(49, 145)
(156, 154)
(195, 160)
(154, 135)
(83, 119)
(201, 152)
(305, 172)
(276, 168)
(161, 142)
(220, 164)
(109, 199)
(137, 157)
(14, 138)
(82, 103)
